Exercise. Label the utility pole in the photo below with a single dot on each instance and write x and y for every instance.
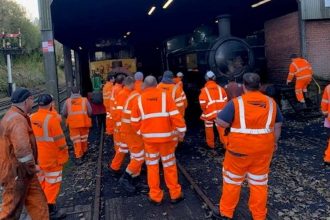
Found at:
(48, 49)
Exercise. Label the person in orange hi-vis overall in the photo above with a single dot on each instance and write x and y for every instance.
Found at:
(122, 149)
(301, 69)
(107, 89)
(78, 111)
(325, 107)
(18, 162)
(130, 180)
(138, 76)
(178, 81)
(173, 90)
(52, 152)
(157, 119)
(255, 125)
(212, 100)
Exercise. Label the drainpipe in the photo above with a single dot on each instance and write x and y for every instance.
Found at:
(302, 30)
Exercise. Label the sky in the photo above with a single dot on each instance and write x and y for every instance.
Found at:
(31, 7)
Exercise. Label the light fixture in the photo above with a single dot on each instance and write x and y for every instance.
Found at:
(216, 21)
(260, 3)
(80, 48)
(128, 33)
(167, 4)
(152, 9)
(125, 36)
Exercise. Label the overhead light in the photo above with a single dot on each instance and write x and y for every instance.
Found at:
(128, 33)
(125, 36)
(167, 3)
(260, 3)
(217, 21)
(152, 9)
(80, 48)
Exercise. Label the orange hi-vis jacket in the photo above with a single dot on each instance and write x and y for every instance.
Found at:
(156, 117)
(178, 81)
(18, 146)
(77, 110)
(138, 85)
(119, 105)
(252, 129)
(55, 114)
(325, 104)
(212, 99)
(52, 147)
(115, 90)
(107, 89)
(301, 69)
(176, 93)
(127, 111)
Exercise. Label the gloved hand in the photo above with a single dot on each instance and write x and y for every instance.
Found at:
(26, 170)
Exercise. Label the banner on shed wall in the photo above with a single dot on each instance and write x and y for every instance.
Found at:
(105, 66)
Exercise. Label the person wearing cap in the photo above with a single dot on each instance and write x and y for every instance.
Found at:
(138, 76)
(212, 100)
(78, 111)
(178, 81)
(255, 122)
(107, 89)
(18, 161)
(52, 151)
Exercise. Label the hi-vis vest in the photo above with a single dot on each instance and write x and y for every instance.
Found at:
(252, 130)
(126, 114)
(325, 106)
(77, 113)
(177, 94)
(301, 69)
(214, 104)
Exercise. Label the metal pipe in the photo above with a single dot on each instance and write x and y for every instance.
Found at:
(224, 25)
(302, 30)
(10, 77)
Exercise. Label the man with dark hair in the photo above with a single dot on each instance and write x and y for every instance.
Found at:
(18, 161)
(301, 69)
(255, 123)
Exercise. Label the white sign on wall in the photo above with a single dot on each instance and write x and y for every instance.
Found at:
(327, 3)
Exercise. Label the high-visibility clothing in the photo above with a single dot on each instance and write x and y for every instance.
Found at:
(107, 89)
(18, 154)
(115, 90)
(302, 71)
(212, 100)
(131, 138)
(120, 146)
(325, 107)
(252, 130)
(233, 90)
(177, 94)
(79, 138)
(166, 153)
(156, 117)
(77, 111)
(235, 170)
(52, 147)
(178, 81)
(138, 85)
(50, 181)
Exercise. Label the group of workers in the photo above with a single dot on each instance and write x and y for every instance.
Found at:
(147, 122)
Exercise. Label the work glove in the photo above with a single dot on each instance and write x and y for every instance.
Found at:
(26, 170)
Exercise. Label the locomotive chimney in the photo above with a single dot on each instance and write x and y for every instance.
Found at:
(223, 25)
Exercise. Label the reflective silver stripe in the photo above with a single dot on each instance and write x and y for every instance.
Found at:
(135, 119)
(182, 129)
(137, 158)
(210, 114)
(45, 136)
(257, 183)
(295, 65)
(170, 163)
(180, 104)
(241, 112)
(53, 180)
(152, 155)
(128, 101)
(75, 137)
(208, 125)
(123, 145)
(231, 175)
(13, 115)
(121, 150)
(178, 99)
(140, 106)
(119, 107)
(167, 157)
(208, 94)
(155, 115)
(304, 77)
(292, 74)
(157, 135)
(83, 109)
(229, 181)
(118, 123)
(220, 94)
(325, 100)
(127, 111)
(152, 162)
(202, 101)
(25, 159)
(164, 103)
(127, 121)
(84, 136)
(139, 154)
(257, 177)
(270, 113)
(251, 131)
(53, 174)
(58, 137)
(174, 91)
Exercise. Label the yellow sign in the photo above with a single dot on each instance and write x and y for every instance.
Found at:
(105, 66)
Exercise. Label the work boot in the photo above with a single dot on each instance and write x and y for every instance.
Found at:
(177, 200)
(125, 181)
(139, 185)
(78, 161)
(218, 216)
(154, 202)
(327, 163)
(54, 213)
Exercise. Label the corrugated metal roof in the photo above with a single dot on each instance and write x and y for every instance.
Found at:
(315, 9)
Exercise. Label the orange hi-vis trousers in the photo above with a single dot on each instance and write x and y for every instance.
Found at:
(50, 181)
(121, 149)
(165, 152)
(109, 124)
(23, 192)
(79, 137)
(301, 87)
(209, 133)
(136, 149)
(327, 151)
(235, 169)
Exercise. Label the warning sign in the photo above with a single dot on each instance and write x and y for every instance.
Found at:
(47, 46)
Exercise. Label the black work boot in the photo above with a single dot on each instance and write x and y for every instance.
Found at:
(54, 213)
(177, 200)
(139, 185)
(125, 181)
(78, 161)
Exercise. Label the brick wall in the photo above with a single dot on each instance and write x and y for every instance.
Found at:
(318, 47)
(281, 40)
